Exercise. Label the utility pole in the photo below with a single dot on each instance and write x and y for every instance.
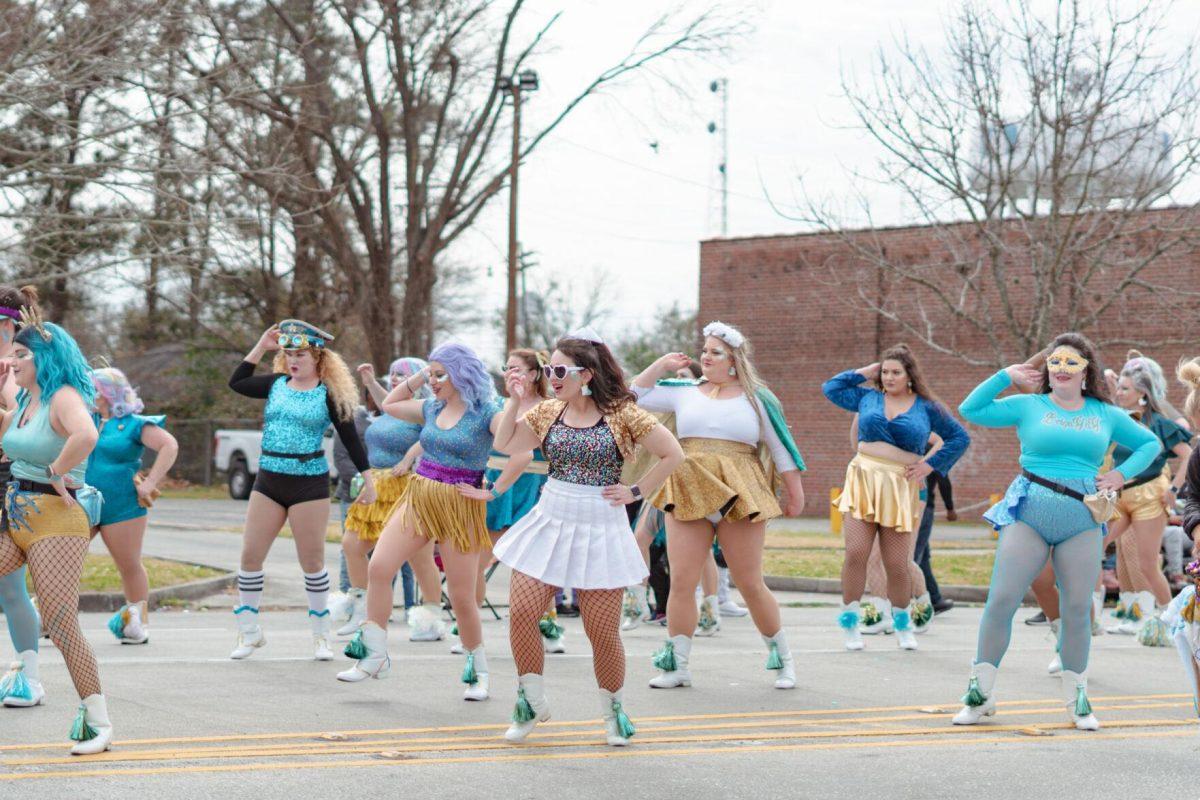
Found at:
(526, 80)
(720, 87)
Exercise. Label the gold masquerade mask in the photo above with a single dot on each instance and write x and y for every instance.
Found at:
(1066, 360)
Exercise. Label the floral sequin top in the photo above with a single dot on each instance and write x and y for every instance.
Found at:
(589, 456)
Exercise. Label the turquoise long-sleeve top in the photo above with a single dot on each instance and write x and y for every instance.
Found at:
(1056, 443)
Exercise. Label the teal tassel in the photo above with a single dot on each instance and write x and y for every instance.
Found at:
(773, 659)
(974, 696)
(848, 620)
(665, 659)
(356, 649)
(469, 675)
(550, 629)
(1119, 611)
(523, 711)
(624, 725)
(454, 629)
(1082, 707)
(15, 684)
(80, 730)
(116, 623)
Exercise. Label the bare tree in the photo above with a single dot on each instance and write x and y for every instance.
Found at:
(1053, 157)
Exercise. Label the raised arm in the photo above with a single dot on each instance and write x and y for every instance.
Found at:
(399, 402)
(366, 373)
(844, 390)
(665, 365)
(244, 381)
(982, 406)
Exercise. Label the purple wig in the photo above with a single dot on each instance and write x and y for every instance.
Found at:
(467, 373)
(407, 367)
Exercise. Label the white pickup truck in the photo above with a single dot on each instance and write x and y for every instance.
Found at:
(236, 452)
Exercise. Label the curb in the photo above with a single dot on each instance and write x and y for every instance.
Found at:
(959, 594)
(193, 590)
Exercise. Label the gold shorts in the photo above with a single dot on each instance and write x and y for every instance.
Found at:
(439, 512)
(1145, 501)
(367, 521)
(32, 516)
(877, 491)
(718, 477)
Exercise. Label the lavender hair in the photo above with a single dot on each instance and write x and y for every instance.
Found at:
(467, 373)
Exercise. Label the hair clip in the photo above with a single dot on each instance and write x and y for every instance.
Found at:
(31, 317)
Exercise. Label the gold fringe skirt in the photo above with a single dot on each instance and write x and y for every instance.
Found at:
(367, 520)
(1145, 501)
(718, 477)
(31, 517)
(877, 491)
(439, 512)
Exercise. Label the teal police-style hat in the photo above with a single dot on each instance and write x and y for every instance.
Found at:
(296, 334)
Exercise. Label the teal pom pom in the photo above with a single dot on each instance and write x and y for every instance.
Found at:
(624, 725)
(848, 620)
(470, 676)
(80, 730)
(1119, 611)
(116, 623)
(773, 659)
(974, 696)
(1082, 707)
(523, 711)
(550, 629)
(14, 683)
(664, 659)
(356, 649)
(1154, 633)
(902, 620)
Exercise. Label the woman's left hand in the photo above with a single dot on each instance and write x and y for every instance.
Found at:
(918, 471)
(1112, 480)
(474, 492)
(60, 486)
(618, 495)
(794, 506)
(1168, 498)
(146, 489)
(366, 495)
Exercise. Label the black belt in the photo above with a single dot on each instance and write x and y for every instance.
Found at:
(39, 488)
(1052, 486)
(301, 457)
(1140, 481)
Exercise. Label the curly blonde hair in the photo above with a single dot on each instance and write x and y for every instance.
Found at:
(1188, 374)
(333, 372)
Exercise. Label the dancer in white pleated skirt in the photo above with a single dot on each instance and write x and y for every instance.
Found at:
(578, 534)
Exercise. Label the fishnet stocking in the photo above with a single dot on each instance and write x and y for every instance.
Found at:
(527, 602)
(56, 564)
(601, 613)
(895, 549)
(1129, 571)
(877, 581)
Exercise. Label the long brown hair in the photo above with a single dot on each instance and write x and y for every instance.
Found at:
(902, 353)
(1094, 384)
(533, 360)
(609, 390)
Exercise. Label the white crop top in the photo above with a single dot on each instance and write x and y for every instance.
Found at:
(698, 416)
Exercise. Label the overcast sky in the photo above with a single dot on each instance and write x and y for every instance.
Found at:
(596, 197)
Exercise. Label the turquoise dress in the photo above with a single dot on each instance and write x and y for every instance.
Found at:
(114, 462)
(520, 498)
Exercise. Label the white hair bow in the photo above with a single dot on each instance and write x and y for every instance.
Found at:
(586, 333)
(726, 333)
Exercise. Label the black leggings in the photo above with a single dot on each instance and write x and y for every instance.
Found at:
(290, 490)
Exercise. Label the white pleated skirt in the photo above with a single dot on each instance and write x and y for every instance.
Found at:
(574, 538)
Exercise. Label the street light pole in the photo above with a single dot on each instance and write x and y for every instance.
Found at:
(526, 80)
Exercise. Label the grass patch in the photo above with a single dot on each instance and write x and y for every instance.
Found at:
(798, 540)
(951, 568)
(100, 573)
(195, 492)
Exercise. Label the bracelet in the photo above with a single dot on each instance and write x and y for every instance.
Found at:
(495, 494)
(408, 385)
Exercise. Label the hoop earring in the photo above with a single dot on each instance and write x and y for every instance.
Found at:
(586, 390)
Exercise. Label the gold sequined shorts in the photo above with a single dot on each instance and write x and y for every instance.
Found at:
(31, 517)
(877, 491)
(718, 477)
(1145, 501)
(367, 520)
(438, 511)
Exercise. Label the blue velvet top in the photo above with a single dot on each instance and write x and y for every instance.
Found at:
(388, 439)
(908, 431)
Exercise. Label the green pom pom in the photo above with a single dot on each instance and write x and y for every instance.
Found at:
(922, 614)
(773, 659)
(870, 614)
(80, 730)
(523, 711)
(1119, 611)
(708, 620)
(1082, 707)
(664, 659)
(974, 696)
(550, 629)
(355, 648)
(1154, 633)
(469, 675)
(624, 725)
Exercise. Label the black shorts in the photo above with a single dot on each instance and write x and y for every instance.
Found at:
(290, 490)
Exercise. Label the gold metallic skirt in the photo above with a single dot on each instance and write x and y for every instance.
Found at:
(718, 477)
(877, 491)
(439, 512)
(1144, 502)
(31, 517)
(366, 521)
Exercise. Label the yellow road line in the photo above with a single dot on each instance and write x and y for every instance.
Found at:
(576, 756)
(590, 722)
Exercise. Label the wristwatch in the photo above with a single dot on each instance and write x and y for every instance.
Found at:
(636, 492)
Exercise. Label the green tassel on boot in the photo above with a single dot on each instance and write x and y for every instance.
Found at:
(355, 648)
(118, 621)
(550, 629)
(454, 629)
(624, 725)
(664, 659)
(523, 711)
(14, 683)
(469, 674)
(974, 696)
(1082, 707)
(80, 730)
(773, 659)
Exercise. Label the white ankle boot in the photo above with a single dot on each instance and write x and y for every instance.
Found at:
(356, 601)
(130, 625)
(672, 660)
(921, 611)
(617, 726)
(1074, 686)
(369, 646)
(475, 675)
(425, 624)
(92, 731)
(21, 686)
(906, 639)
(849, 621)
(250, 634)
(1124, 611)
(725, 603)
(637, 607)
(779, 658)
(1140, 609)
(710, 617)
(531, 707)
(552, 633)
(322, 651)
(1055, 666)
(980, 699)
(876, 617)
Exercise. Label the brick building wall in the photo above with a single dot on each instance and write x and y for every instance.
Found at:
(806, 327)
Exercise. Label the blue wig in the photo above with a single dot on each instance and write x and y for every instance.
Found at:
(59, 363)
(407, 367)
(467, 373)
